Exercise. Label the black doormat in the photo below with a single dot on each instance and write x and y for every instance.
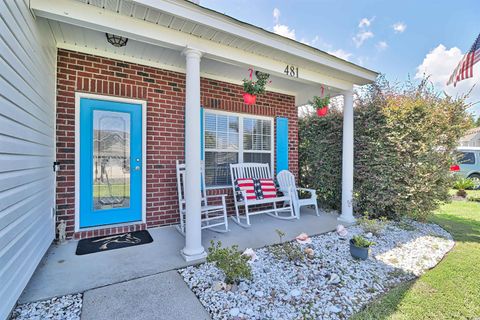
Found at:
(117, 241)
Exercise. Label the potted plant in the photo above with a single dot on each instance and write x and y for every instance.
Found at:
(359, 247)
(253, 88)
(463, 184)
(321, 105)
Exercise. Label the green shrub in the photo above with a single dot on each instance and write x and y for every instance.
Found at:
(375, 226)
(320, 156)
(290, 251)
(361, 242)
(230, 261)
(464, 184)
(404, 140)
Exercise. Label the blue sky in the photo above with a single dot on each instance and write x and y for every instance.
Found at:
(398, 38)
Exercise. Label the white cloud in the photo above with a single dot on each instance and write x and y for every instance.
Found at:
(365, 22)
(284, 30)
(439, 65)
(382, 45)
(361, 37)
(399, 27)
(276, 15)
(342, 54)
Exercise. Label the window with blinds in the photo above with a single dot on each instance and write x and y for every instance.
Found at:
(231, 138)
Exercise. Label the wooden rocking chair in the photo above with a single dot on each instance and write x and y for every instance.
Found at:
(213, 215)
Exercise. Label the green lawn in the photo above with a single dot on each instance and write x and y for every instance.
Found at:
(452, 289)
(470, 193)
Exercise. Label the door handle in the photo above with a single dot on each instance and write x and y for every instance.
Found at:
(137, 168)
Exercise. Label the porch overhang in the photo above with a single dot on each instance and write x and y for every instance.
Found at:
(229, 48)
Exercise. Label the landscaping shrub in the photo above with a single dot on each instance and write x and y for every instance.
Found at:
(320, 156)
(290, 250)
(230, 261)
(404, 143)
(374, 226)
(464, 184)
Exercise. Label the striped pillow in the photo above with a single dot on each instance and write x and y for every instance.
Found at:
(267, 188)
(247, 185)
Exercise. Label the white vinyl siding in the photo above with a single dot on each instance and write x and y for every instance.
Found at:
(234, 138)
(27, 146)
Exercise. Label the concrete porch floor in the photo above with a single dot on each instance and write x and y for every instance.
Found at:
(62, 272)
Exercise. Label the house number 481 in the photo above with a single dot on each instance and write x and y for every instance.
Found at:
(291, 71)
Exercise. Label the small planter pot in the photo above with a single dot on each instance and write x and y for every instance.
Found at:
(322, 112)
(358, 252)
(249, 99)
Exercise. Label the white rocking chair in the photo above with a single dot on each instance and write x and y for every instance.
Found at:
(212, 215)
(286, 181)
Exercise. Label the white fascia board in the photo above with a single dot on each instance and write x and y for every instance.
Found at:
(230, 25)
(91, 17)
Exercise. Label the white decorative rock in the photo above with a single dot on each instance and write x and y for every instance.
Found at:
(335, 285)
(249, 252)
(342, 231)
(334, 279)
(296, 293)
(334, 309)
(234, 312)
(218, 285)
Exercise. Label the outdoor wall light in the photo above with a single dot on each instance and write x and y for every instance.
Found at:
(116, 41)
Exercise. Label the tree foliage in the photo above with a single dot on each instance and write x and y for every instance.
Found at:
(404, 143)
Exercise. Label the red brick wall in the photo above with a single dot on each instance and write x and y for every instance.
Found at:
(164, 92)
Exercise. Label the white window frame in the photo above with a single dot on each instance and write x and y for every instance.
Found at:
(240, 150)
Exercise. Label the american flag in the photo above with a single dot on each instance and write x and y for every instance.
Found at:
(464, 70)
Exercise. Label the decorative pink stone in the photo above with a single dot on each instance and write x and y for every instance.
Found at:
(303, 238)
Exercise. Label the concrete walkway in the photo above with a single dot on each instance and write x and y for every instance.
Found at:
(62, 272)
(163, 296)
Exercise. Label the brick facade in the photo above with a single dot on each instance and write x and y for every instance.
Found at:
(164, 92)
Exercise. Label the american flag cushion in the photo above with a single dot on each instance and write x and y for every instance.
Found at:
(268, 189)
(247, 185)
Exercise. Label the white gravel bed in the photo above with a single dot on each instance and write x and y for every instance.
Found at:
(332, 285)
(67, 307)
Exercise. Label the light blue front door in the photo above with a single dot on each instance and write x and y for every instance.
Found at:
(110, 162)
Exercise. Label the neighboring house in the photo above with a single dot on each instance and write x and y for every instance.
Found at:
(174, 91)
(471, 138)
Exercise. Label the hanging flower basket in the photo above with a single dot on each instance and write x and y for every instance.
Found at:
(253, 88)
(322, 112)
(321, 105)
(249, 99)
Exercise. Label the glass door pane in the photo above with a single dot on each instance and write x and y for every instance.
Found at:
(111, 160)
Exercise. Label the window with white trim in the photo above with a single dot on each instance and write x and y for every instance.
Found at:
(233, 138)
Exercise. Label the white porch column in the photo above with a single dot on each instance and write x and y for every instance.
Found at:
(193, 233)
(347, 159)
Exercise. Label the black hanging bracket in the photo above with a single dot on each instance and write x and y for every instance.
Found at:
(56, 166)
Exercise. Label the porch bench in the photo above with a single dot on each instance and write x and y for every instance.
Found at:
(241, 199)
